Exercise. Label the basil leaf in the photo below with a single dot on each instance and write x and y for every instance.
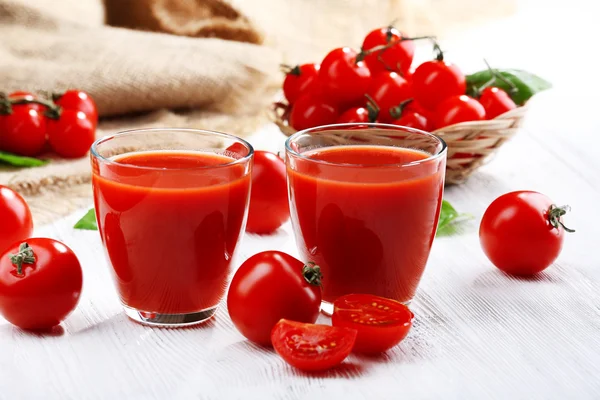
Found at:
(449, 219)
(20, 161)
(88, 221)
(526, 83)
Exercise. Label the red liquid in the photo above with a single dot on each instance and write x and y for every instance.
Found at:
(170, 233)
(369, 228)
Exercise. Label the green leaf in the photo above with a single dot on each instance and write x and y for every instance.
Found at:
(88, 221)
(20, 161)
(449, 220)
(526, 83)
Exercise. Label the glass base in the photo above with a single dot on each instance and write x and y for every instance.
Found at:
(169, 320)
(327, 307)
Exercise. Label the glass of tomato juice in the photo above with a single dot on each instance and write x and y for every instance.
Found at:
(365, 201)
(171, 205)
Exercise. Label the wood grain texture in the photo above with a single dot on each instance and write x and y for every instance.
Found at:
(478, 333)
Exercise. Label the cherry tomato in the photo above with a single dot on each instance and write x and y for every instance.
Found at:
(269, 207)
(270, 286)
(522, 232)
(355, 114)
(45, 289)
(300, 80)
(72, 135)
(388, 89)
(15, 215)
(380, 323)
(397, 57)
(23, 132)
(310, 347)
(435, 81)
(496, 102)
(312, 110)
(343, 79)
(78, 101)
(412, 119)
(458, 109)
(29, 96)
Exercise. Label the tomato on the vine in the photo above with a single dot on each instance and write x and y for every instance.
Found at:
(269, 207)
(310, 347)
(387, 90)
(40, 283)
(495, 101)
(23, 131)
(412, 119)
(312, 110)
(72, 134)
(270, 286)
(397, 57)
(15, 215)
(458, 109)
(77, 100)
(343, 77)
(368, 113)
(522, 232)
(435, 81)
(300, 80)
(380, 323)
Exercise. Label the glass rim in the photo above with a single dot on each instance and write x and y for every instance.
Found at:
(94, 149)
(367, 125)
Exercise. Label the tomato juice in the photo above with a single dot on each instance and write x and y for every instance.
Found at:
(170, 222)
(367, 214)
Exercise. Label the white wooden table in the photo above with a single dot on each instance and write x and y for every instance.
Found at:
(478, 334)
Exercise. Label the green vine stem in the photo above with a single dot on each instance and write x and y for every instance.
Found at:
(554, 215)
(289, 70)
(372, 108)
(53, 110)
(396, 111)
(24, 256)
(312, 273)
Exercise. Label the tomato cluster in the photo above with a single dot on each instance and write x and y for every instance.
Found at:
(378, 84)
(67, 123)
(40, 278)
(274, 299)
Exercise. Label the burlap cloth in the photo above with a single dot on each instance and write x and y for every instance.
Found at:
(182, 63)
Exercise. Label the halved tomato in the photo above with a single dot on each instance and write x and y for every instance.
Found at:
(311, 347)
(380, 323)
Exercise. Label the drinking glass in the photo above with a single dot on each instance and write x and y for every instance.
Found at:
(171, 205)
(365, 202)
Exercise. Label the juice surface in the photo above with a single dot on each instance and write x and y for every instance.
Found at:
(170, 232)
(369, 227)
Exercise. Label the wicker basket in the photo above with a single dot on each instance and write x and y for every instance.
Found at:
(470, 144)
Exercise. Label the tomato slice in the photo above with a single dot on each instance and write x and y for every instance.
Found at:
(380, 323)
(311, 347)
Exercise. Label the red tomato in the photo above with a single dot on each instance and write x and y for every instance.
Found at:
(310, 347)
(45, 289)
(72, 135)
(300, 80)
(343, 79)
(496, 102)
(389, 89)
(412, 119)
(270, 286)
(16, 218)
(269, 207)
(435, 81)
(29, 96)
(380, 323)
(522, 232)
(369, 113)
(78, 101)
(312, 110)
(397, 57)
(458, 109)
(23, 132)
